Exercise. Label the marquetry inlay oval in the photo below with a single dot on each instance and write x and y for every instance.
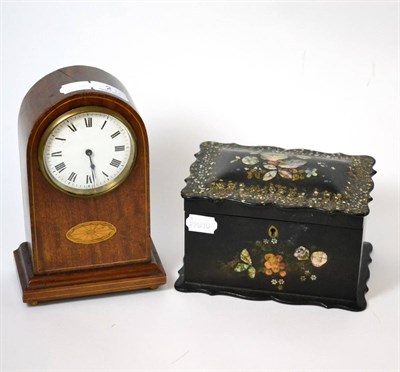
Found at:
(91, 232)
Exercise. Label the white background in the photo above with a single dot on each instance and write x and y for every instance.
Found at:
(316, 75)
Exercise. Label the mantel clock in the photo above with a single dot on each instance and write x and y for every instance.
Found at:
(85, 170)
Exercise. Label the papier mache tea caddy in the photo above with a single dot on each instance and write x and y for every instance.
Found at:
(264, 223)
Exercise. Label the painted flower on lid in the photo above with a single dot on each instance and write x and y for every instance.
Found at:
(278, 164)
(311, 172)
(250, 160)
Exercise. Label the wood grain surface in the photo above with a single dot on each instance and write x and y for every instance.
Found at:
(50, 214)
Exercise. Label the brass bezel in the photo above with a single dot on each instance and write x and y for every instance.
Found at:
(98, 190)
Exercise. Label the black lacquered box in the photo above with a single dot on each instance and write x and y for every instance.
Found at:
(264, 223)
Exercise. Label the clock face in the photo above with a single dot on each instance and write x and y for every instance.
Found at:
(87, 151)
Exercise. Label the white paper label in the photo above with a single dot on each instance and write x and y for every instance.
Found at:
(77, 85)
(95, 85)
(202, 224)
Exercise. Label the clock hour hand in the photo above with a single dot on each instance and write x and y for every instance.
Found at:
(89, 153)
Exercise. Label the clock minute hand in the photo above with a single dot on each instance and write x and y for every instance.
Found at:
(89, 153)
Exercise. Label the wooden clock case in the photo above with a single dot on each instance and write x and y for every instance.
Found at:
(50, 266)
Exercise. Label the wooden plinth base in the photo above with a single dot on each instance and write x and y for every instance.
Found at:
(40, 288)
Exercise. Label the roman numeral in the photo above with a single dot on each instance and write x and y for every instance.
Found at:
(57, 153)
(105, 174)
(60, 139)
(60, 167)
(115, 163)
(88, 179)
(103, 125)
(72, 177)
(72, 127)
(115, 134)
(88, 122)
(120, 148)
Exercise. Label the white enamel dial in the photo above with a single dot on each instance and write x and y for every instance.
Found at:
(87, 151)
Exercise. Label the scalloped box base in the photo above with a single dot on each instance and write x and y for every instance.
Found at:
(358, 304)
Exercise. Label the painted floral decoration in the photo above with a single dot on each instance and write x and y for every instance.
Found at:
(282, 165)
(302, 253)
(319, 258)
(246, 264)
(311, 172)
(267, 166)
(250, 160)
(281, 260)
(274, 265)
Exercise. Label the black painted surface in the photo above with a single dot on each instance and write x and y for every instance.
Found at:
(208, 256)
(334, 173)
(210, 259)
(310, 215)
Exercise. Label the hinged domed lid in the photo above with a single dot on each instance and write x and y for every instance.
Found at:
(286, 178)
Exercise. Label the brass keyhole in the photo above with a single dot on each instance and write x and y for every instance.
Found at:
(273, 232)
